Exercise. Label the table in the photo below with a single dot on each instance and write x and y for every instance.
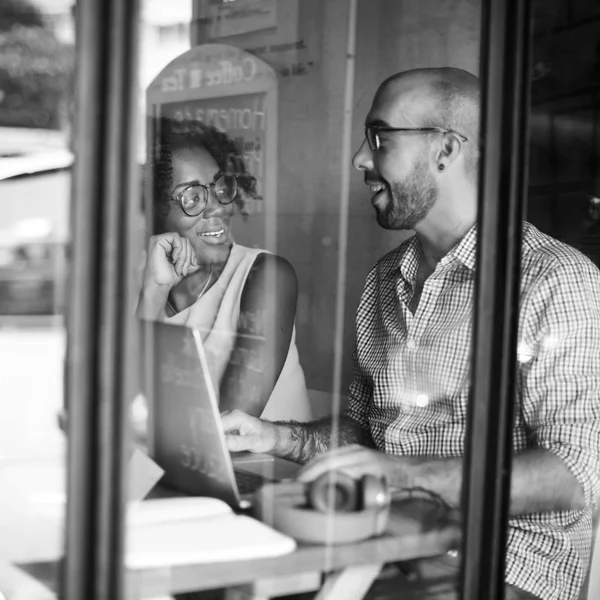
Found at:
(417, 529)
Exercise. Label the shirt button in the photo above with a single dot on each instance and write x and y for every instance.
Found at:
(411, 344)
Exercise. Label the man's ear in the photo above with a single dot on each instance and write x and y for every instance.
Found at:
(449, 152)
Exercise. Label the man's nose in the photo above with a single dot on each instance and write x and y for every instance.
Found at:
(363, 159)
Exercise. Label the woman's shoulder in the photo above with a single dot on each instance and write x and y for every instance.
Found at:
(247, 251)
(271, 268)
(264, 260)
(268, 262)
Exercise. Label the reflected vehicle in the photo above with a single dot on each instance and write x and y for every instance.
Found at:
(34, 205)
(32, 278)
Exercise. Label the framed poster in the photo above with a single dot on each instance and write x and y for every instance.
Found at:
(236, 92)
(224, 18)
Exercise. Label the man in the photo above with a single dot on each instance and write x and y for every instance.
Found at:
(408, 400)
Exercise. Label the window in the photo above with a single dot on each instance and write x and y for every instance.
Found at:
(238, 269)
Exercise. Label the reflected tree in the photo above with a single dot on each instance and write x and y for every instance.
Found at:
(36, 69)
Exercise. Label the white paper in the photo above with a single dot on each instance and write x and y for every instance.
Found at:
(215, 539)
(143, 475)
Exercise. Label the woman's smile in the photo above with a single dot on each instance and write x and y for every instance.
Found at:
(214, 230)
(215, 233)
(214, 236)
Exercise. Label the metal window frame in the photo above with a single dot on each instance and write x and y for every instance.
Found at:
(505, 67)
(100, 323)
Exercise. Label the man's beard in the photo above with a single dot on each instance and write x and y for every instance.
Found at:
(411, 200)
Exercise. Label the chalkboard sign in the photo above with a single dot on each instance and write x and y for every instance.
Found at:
(235, 92)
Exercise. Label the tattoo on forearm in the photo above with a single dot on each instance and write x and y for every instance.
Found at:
(309, 439)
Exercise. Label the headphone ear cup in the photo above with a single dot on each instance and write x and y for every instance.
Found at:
(334, 491)
(375, 492)
(283, 506)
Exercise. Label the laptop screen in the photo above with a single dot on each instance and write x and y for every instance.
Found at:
(188, 441)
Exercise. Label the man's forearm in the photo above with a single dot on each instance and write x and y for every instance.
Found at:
(540, 481)
(302, 441)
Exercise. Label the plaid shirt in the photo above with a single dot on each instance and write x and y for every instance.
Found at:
(412, 376)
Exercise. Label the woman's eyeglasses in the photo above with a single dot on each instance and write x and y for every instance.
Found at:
(374, 141)
(194, 198)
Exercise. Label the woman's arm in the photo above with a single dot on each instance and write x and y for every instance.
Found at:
(267, 312)
(151, 302)
(170, 258)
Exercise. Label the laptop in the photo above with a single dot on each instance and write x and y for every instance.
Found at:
(186, 436)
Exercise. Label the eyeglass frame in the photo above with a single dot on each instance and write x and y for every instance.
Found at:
(385, 128)
(212, 185)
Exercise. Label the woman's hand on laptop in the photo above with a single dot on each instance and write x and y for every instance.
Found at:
(245, 433)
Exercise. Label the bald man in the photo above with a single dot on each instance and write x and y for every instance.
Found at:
(408, 400)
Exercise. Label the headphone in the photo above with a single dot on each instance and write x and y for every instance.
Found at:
(339, 492)
(333, 509)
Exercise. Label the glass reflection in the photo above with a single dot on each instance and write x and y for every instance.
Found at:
(37, 61)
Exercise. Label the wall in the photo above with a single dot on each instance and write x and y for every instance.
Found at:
(392, 35)
(564, 172)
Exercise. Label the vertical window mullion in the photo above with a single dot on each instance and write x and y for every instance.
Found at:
(99, 324)
(502, 187)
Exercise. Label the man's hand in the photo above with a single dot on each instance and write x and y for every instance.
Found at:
(299, 442)
(353, 460)
(246, 433)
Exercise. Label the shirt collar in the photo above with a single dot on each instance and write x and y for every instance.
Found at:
(409, 261)
(464, 252)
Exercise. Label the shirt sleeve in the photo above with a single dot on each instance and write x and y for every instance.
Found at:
(360, 395)
(559, 365)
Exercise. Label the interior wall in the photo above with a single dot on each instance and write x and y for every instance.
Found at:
(564, 133)
(392, 36)
(308, 49)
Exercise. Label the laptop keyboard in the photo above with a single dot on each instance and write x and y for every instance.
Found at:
(248, 482)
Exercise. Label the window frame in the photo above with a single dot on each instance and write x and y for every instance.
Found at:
(99, 319)
(503, 172)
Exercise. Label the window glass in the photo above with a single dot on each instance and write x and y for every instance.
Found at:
(564, 129)
(259, 236)
(37, 60)
(260, 123)
(563, 203)
(262, 244)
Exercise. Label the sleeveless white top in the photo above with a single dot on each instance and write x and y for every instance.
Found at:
(216, 313)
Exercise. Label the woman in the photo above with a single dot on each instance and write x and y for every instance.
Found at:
(242, 300)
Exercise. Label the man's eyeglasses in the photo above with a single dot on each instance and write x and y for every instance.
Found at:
(374, 141)
(193, 199)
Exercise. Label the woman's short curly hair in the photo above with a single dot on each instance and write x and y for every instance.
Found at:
(172, 135)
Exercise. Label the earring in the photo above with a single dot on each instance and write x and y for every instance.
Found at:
(441, 167)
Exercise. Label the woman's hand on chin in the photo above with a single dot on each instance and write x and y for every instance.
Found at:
(171, 257)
